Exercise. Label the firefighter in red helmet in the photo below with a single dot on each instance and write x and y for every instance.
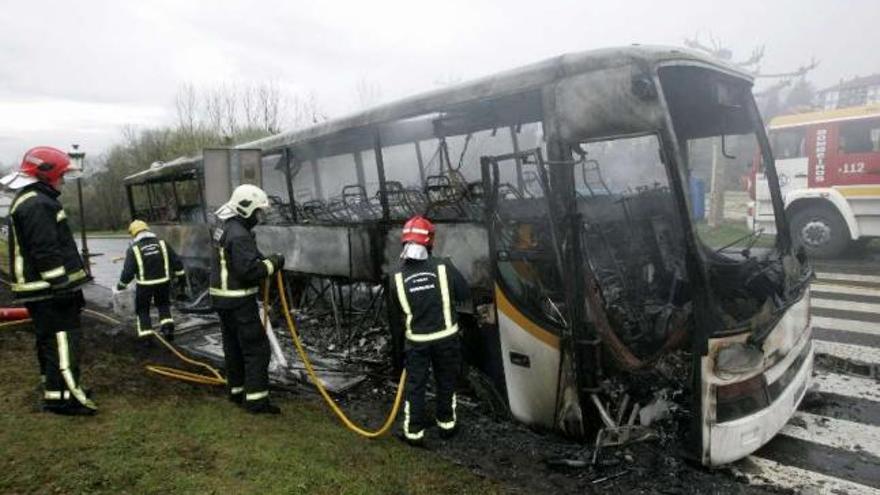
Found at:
(427, 290)
(48, 273)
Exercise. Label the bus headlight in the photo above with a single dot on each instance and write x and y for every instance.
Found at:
(738, 359)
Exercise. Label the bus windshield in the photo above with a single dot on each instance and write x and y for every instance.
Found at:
(719, 134)
(718, 138)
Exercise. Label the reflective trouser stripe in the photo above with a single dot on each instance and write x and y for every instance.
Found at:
(448, 425)
(56, 395)
(236, 390)
(64, 366)
(257, 395)
(180, 273)
(449, 328)
(406, 418)
(53, 273)
(142, 332)
(166, 321)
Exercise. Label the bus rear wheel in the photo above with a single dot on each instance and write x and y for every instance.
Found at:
(820, 230)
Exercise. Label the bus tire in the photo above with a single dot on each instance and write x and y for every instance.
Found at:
(820, 230)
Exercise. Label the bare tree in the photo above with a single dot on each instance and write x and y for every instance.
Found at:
(186, 104)
(367, 93)
(231, 98)
(750, 64)
(212, 108)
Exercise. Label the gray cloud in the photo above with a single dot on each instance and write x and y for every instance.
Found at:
(119, 62)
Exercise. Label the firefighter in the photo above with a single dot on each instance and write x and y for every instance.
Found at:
(427, 290)
(237, 268)
(48, 273)
(152, 264)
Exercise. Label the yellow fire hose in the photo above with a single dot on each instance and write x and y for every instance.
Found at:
(217, 379)
(389, 421)
(14, 323)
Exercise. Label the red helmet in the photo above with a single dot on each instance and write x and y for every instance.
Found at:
(46, 164)
(419, 230)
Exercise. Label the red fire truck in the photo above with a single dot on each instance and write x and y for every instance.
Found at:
(829, 173)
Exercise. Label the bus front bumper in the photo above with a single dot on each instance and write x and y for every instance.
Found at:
(733, 440)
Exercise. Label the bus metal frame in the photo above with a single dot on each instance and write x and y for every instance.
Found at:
(548, 373)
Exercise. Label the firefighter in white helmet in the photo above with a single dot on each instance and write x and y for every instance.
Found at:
(237, 269)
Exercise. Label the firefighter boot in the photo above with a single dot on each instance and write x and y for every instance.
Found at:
(168, 331)
(262, 406)
(69, 407)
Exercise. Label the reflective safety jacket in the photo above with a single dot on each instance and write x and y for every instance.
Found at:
(150, 261)
(237, 266)
(427, 292)
(43, 256)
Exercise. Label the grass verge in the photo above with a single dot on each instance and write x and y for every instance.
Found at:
(153, 435)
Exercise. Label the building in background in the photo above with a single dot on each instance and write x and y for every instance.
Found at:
(858, 91)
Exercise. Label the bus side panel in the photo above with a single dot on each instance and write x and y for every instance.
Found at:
(530, 357)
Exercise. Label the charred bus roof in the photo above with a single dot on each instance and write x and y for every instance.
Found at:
(507, 98)
(162, 171)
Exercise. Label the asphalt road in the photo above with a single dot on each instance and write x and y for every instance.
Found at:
(106, 254)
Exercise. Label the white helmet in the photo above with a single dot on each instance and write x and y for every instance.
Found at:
(245, 200)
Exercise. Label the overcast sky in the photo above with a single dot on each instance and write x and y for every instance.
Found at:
(80, 71)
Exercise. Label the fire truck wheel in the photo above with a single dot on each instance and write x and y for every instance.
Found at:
(821, 231)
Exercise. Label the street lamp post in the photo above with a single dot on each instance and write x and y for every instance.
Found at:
(78, 158)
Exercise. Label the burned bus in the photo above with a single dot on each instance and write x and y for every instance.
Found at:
(560, 191)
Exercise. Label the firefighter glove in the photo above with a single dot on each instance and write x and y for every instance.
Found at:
(277, 261)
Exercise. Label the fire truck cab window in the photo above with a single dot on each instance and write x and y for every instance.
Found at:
(788, 143)
(860, 136)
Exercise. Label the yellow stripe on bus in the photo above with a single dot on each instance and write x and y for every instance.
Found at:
(506, 307)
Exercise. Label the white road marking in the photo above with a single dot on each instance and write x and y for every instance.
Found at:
(852, 277)
(861, 307)
(851, 352)
(846, 325)
(853, 290)
(850, 386)
(837, 433)
(767, 472)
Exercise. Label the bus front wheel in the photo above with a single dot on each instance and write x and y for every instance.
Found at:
(820, 230)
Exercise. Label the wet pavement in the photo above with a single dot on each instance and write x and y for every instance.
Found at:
(106, 254)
